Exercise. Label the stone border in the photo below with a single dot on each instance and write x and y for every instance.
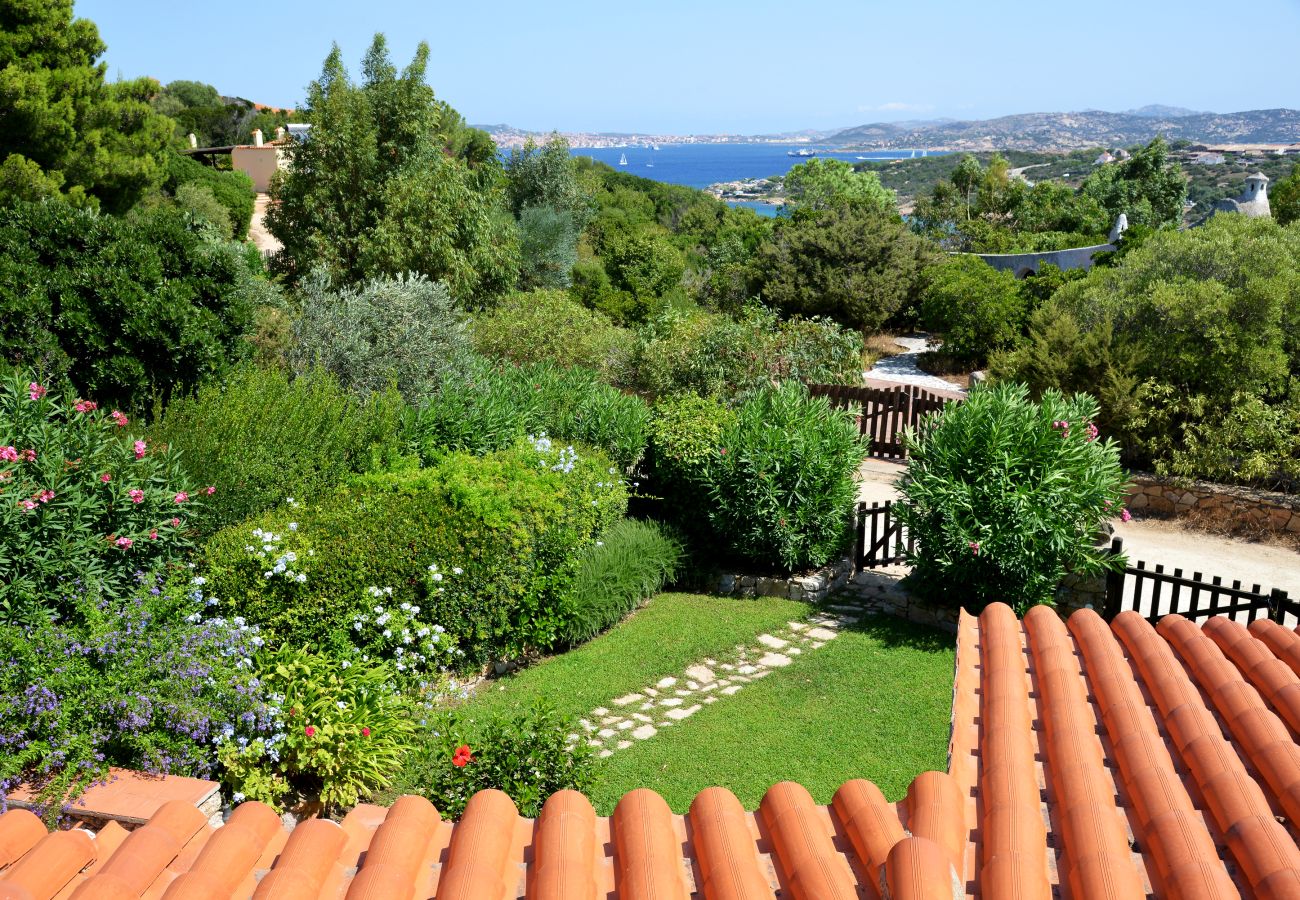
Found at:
(1243, 507)
(813, 587)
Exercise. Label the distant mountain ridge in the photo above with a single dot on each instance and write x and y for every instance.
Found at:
(1075, 130)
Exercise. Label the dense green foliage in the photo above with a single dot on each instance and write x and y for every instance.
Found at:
(634, 560)
(1284, 198)
(128, 309)
(337, 732)
(823, 183)
(973, 307)
(139, 682)
(550, 326)
(401, 331)
(1004, 496)
(232, 190)
(850, 263)
(82, 502)
(526, 755)
(502, 533)
(261, 436)
(390, 181)
(99, 141)
(1147, 187)
(496, 406)
(552, 208)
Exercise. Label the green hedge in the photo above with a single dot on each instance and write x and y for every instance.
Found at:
(233, 190)
(504, 532)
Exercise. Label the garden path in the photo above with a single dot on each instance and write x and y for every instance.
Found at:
(902, 368)
(262, 239)
(642, 714)
(1156, 541)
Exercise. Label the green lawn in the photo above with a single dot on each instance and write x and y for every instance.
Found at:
(874, 703)
(670, 633)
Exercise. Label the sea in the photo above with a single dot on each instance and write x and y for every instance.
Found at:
(700, 165)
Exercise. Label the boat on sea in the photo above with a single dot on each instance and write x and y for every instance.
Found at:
(622, 159)
(802, 151)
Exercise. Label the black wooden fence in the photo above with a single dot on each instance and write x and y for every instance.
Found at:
(882, 540)
(882, 413)
(1155, 593)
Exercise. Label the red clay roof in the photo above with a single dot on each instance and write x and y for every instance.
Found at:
(1087, 761)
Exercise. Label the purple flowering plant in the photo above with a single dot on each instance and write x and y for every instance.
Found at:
(81, 497)
(149, 681)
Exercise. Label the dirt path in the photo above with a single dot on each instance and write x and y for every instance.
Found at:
(1156, 542)
(257, 233)
(902, 368)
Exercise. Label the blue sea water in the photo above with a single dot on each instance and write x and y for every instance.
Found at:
(700, 165)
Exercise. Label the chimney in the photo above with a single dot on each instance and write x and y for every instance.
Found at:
(194, 141)
(279, 133)
(257, 137)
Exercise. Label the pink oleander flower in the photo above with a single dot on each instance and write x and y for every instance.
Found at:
(124, 542)
(140, 447)
(974, 547)
(210, 490)
(106, 478)
(45, 496)
(28, 505)
(85, 406)
(176, 523)
(35, 391)
(181, 497)
(28, 455)
(9, 454)
(1124, 515)
(153, 534)
(119, 417)
(1092, 432)
(136, 495)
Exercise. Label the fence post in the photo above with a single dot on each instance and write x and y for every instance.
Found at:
(1114, 583)
(1276, 606)
(860, 537)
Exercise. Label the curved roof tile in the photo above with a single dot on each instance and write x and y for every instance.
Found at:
(1086, 761)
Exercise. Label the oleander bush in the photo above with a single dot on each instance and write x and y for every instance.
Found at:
(782, 485)
(83, 500)
(527, 756)
(337, 731)
(485, 546)
(1004, 496)
(550, 326)
(496, 406)
(129, 310)
(144, 681)
(263, 435)
(634, 560)
(402, 331)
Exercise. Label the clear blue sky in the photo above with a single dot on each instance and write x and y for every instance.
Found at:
(741, 66)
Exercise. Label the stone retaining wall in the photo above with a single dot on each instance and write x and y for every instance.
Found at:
(1243, 508)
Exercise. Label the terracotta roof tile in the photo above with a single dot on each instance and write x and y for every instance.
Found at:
(1087, 761)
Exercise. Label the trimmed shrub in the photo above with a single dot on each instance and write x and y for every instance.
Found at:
(782, 484)
(403, 331)
(502, 534)
(550, 326)
(142, 682)
(497, 406)
(261, 436)
(128, 310)
(1004, 496)
(685, 433)
(633, 561)
(82, 501)
(231, 189)
(338, 731)
(973, 306)
(527, 756)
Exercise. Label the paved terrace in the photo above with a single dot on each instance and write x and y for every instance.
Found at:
(1086, 761)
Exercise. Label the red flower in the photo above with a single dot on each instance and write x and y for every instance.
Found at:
(462, 756)
(365, 732)
(310, 731)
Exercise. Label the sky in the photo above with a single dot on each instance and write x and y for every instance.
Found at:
(731, 66)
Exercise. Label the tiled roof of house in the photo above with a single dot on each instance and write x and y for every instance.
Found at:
(1087, 761)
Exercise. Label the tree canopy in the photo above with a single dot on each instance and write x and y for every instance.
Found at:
(822, 183)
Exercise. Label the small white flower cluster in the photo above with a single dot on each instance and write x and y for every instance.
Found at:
(270, 547)
(565, 459)
(396, 633)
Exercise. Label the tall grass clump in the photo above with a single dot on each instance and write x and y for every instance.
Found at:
(260, 436)
(635, 560)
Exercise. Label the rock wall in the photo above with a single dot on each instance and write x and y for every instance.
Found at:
(1243, 508)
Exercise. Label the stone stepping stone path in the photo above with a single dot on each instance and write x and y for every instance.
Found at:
(640, 715)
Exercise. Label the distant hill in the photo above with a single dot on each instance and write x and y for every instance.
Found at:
(1160, 111)
(1075, 130)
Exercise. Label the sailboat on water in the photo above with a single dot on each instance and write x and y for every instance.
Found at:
(622, 159)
